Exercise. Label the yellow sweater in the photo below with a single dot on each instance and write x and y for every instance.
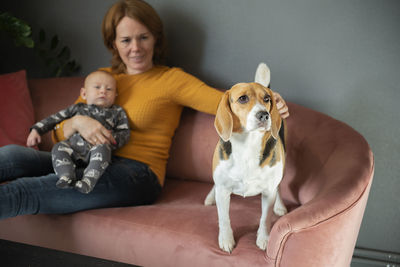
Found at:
(154, 101)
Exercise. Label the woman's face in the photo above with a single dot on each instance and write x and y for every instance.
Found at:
(135, 45)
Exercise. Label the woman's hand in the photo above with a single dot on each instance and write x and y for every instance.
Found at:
(90, 129)
(281, 105)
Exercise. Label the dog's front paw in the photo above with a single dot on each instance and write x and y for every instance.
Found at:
(210, 199)
(280, 210)
(262, 240)
(226, 241)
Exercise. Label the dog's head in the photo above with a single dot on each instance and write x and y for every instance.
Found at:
(247, 107)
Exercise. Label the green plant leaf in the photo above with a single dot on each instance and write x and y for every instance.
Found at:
(50, 62)
(65, 54)
(28, 42)
(17, 29)
(54, 42)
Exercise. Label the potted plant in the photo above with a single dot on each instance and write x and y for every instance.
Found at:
(57, 57)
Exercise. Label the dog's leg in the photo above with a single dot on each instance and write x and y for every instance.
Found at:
(210, 199)
(279, 207)
(262, 235)
(225, 237)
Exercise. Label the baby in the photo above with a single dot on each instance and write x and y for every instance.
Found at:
(99, 91)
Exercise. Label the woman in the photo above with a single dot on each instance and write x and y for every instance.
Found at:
(152, 95)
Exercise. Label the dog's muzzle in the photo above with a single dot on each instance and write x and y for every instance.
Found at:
(262, 116)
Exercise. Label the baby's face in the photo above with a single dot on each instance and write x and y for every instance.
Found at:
(100, 89)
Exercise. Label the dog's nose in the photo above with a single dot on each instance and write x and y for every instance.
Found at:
(262, 115)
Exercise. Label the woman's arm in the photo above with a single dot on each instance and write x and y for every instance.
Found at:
(90, 129)
(195, 94)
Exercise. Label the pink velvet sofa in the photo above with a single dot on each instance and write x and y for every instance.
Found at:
(326, 184)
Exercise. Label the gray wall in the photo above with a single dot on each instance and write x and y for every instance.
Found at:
(341, 57)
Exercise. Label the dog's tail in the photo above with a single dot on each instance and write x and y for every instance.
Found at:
(210, 199)
(263, 75)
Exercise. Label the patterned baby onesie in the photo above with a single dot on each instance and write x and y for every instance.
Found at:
(76, 150)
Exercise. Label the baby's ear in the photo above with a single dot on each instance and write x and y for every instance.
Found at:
(83, 93)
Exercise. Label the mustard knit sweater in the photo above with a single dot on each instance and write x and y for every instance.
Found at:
(153, 101)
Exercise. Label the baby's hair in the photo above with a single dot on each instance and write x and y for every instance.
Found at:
(96, 72)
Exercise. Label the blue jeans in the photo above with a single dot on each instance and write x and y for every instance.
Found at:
(30, 185)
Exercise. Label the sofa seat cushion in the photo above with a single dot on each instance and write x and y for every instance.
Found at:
(176, 231)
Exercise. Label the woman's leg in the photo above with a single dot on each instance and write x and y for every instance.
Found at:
(124, 183)
(18, 161)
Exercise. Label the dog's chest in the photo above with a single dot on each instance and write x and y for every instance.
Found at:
(242, 173)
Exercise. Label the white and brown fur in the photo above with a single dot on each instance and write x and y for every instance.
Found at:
(249, 159)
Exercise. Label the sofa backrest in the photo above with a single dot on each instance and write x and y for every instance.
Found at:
(193, 147)
(314, 141)
(49, 96)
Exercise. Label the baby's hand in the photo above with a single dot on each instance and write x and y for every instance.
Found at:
(33, 138)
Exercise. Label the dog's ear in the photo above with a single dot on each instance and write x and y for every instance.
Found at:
(263, 75)
(223, 119)
(276, 119)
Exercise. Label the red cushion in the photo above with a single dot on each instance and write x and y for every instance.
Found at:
(16, 109)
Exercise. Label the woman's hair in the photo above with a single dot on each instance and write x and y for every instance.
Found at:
(145, 14)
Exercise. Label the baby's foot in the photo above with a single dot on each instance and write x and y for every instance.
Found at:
(64, 182)
(83, 187)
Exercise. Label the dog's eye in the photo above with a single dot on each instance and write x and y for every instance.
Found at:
(267, 98)
(243, 99)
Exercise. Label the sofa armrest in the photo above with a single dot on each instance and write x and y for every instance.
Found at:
(327, 179)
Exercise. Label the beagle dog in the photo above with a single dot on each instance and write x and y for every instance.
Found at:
(249, 158)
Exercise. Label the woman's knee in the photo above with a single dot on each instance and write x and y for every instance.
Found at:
(12, 151)
(19, 161)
